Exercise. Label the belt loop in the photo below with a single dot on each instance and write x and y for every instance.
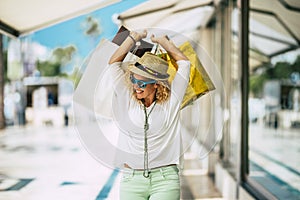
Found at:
(162, 172)
(129, 172)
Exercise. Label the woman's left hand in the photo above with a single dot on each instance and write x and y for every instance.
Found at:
(138, 35)
(169, 46)
(159, 40)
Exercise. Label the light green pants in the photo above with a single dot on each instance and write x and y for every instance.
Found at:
(162, 184)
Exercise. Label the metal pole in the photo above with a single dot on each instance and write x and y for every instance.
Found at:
(2, 118)
(242, 168)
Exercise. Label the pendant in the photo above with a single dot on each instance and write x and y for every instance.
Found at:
(146, 173)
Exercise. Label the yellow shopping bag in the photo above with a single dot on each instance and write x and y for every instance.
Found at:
(199, 83)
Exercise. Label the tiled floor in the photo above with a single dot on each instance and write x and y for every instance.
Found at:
(51, 163)
(197, 183)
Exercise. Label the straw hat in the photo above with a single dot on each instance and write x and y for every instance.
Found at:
(150, 66)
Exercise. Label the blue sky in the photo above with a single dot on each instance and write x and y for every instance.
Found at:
(71, 32)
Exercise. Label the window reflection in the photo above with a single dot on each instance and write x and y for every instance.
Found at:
(274, 126)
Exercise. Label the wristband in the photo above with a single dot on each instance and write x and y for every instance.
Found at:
(132, 38)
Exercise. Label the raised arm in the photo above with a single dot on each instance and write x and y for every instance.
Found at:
(170, 47)
(125, 47)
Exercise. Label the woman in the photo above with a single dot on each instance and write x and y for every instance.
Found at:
(147, 114)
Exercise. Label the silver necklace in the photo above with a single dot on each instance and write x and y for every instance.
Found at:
(146, 127)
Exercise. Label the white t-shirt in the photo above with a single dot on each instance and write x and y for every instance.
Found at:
(164, 134)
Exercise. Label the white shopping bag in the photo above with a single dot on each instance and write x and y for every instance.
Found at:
(92, 101)
(94, 90)
(92, 105)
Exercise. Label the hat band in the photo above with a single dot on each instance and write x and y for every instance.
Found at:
(151, 71)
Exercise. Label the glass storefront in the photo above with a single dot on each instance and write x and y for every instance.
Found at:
(273, 84)
(274, 126)
(273, 99)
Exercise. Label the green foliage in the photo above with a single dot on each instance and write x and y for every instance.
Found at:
(280, 71)
(296, 65)
(48, 68)
(256, 83)
(63, 55)
(59, 58)
(92, 27)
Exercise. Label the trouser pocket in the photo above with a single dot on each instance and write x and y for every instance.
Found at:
(127, 175)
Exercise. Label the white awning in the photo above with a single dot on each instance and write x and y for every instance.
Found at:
(177, 15)
(274, 26)
(21, 17)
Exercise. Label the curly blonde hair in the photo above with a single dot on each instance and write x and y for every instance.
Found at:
(162, 92)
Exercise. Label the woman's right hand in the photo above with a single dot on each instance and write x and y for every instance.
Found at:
(124, 48)
(138, 35)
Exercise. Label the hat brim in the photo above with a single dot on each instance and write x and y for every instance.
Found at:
(132, 68)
